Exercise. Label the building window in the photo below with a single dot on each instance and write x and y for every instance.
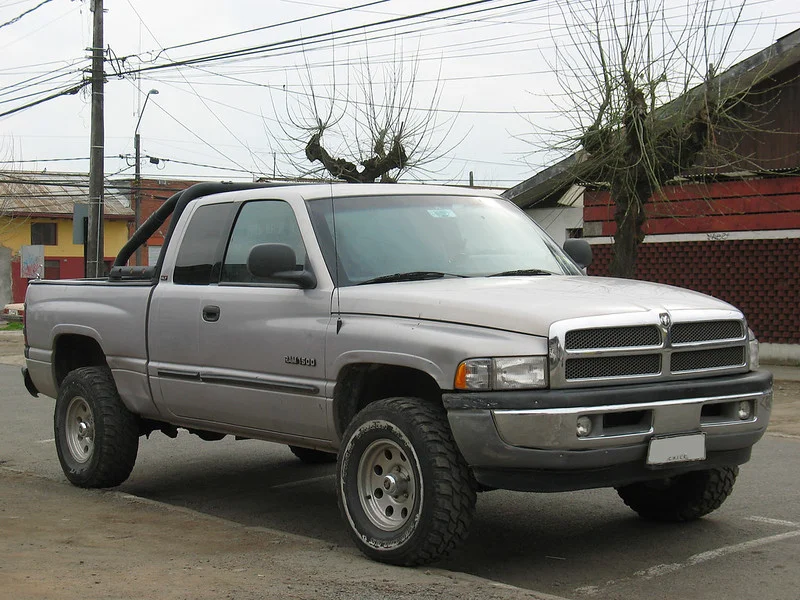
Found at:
(52, 269)
(43, 234)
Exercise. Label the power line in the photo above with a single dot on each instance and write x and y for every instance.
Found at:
(54, 73)
(27, 12)
(264, 28)
(195, 134)
(315, 38)
(66, 92)
(36, 160)
(303, 42)
(202, 100)
(280, 88)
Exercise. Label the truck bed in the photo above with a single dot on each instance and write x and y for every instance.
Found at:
(113, 314)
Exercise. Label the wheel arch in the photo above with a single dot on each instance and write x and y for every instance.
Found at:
(362, 383)
(75, 350)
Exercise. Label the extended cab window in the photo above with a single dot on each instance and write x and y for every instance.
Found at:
(260, 222)
(198, 261)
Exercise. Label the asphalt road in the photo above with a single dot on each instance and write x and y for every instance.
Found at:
(575, 545)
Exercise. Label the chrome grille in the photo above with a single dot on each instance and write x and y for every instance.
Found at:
(613, 366)
(616, 349)
(699, 360)
(686, 333)
(613, 337)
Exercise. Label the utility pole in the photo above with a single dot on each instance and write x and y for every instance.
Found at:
(94, 241)
(137, 174)
(137, 193)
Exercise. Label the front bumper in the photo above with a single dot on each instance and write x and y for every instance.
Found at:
(528, 441)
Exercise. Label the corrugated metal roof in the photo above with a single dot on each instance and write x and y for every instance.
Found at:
(24, 192)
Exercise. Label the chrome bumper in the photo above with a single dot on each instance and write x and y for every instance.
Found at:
(534, 432)
(626, 424)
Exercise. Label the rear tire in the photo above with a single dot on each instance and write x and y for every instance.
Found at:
(97, 438)
(404, 489)
(313, 457)
(681, 498)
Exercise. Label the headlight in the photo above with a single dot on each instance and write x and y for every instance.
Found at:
(753, 343)
(507, 373)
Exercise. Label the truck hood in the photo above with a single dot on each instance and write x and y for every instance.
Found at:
(519, 304)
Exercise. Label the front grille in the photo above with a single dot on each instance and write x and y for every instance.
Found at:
(613, 337)
(698, 360)
(613, 366)
(600, 351)
(706, 331)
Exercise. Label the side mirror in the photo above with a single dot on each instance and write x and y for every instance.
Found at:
(278, 261)
(580, 251)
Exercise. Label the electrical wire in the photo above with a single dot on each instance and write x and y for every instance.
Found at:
(195, 134)
(66, 92)
(266, 27)
(27, 12)
(314, 38)
(200, 97)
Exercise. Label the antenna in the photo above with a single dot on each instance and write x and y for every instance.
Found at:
(336, 262)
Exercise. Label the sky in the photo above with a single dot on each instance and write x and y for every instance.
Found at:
(488, 80)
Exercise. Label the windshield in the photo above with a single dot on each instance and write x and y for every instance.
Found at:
(386, 236)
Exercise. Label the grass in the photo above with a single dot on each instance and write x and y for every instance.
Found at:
(13, 326)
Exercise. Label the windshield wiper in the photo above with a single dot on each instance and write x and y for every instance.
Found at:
(410, 276)
(522, 272)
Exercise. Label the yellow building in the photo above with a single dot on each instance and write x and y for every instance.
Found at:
(36, 209)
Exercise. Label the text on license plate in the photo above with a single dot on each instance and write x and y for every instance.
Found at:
(677, 449)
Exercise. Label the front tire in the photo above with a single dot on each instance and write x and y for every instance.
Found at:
(684, 497)
(404, 490)
(97, 438)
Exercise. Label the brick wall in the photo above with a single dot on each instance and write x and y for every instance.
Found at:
(752, 205)
(761, 277)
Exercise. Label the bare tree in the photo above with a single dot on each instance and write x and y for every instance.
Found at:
(365, 130)
(643, 77)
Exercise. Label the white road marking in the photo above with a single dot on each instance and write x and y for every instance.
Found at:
(592, 590)
(774, 521)
(697, 559)
(292, 484)
(50, 441)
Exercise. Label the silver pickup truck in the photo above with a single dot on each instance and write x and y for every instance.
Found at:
(433, 341)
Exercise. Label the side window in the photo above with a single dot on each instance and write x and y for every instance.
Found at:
(260, 222)
(198, 261)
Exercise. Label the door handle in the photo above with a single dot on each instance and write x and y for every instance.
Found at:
(211, 313)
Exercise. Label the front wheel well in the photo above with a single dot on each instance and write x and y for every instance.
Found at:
(75, 351)
(361, 384)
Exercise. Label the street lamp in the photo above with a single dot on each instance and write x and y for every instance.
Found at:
(137, 177)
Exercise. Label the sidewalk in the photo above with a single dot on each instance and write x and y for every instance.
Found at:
(782, 373)
(59, 542)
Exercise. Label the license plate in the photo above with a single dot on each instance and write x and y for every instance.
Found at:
(677, 449)
(12, 312)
